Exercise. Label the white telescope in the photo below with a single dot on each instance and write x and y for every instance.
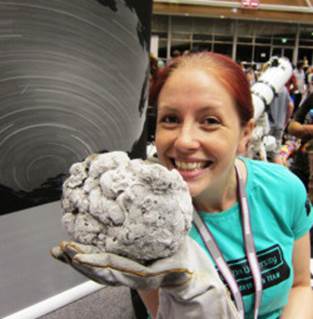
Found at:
(269, 84)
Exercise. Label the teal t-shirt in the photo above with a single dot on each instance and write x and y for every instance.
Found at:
(280, 214)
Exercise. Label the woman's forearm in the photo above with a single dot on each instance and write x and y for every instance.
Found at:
(299, 304)
(151, 300)
(300, 130)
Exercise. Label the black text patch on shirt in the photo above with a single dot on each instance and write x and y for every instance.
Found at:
(273, 267)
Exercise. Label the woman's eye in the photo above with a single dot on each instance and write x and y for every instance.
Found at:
(211, 121)
(169, 119)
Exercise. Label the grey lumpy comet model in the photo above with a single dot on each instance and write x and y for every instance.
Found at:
(132, 208)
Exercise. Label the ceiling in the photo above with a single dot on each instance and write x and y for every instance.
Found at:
(292, 11)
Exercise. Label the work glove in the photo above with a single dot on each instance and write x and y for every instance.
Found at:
(189, 284)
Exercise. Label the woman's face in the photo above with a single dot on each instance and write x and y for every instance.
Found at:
(198, 130)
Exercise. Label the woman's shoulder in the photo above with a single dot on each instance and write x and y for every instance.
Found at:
(272, 175)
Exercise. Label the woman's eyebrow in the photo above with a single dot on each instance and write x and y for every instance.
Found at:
(167, 109)
(202, 108)
(210, 107)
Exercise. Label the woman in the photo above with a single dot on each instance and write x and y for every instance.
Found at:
(252, 218)
(204, 122)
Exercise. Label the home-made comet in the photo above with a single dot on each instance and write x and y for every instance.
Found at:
(132, 208)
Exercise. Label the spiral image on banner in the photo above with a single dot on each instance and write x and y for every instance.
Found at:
(73, 81)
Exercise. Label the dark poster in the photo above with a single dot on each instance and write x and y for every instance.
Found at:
(73, 81)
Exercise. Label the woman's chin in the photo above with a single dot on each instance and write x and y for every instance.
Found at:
(193, 190)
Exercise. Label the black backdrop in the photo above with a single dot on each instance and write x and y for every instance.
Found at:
(73, 81)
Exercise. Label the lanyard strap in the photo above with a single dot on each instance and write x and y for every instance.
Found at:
(249, 244)
(217, 255)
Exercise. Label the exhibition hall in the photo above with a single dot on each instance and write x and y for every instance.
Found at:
(156, 159)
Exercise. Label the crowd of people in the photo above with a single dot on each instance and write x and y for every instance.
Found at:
(291, 121)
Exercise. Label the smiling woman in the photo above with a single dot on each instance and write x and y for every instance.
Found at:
(204, 122)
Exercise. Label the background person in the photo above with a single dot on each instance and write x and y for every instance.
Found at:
(301, 126)
(279, 113)
(300, 91)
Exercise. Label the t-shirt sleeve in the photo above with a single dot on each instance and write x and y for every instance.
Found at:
(302, 217)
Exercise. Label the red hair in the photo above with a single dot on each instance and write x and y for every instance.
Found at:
(223, 68)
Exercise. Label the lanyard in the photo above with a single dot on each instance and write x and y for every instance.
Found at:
(217, 255)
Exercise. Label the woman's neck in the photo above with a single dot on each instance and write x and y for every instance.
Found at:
(219, 201)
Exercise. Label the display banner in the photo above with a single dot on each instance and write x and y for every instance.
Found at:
(73, 81)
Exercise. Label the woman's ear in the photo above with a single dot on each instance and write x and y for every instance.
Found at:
(246, 134)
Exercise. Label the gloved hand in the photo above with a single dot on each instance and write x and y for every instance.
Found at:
(111, 269)
(190, 286)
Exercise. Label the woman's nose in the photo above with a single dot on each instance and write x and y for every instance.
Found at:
(187, 139)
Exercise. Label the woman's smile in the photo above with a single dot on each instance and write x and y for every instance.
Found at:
(191, 169)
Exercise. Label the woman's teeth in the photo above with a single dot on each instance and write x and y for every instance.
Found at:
(189, 166)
